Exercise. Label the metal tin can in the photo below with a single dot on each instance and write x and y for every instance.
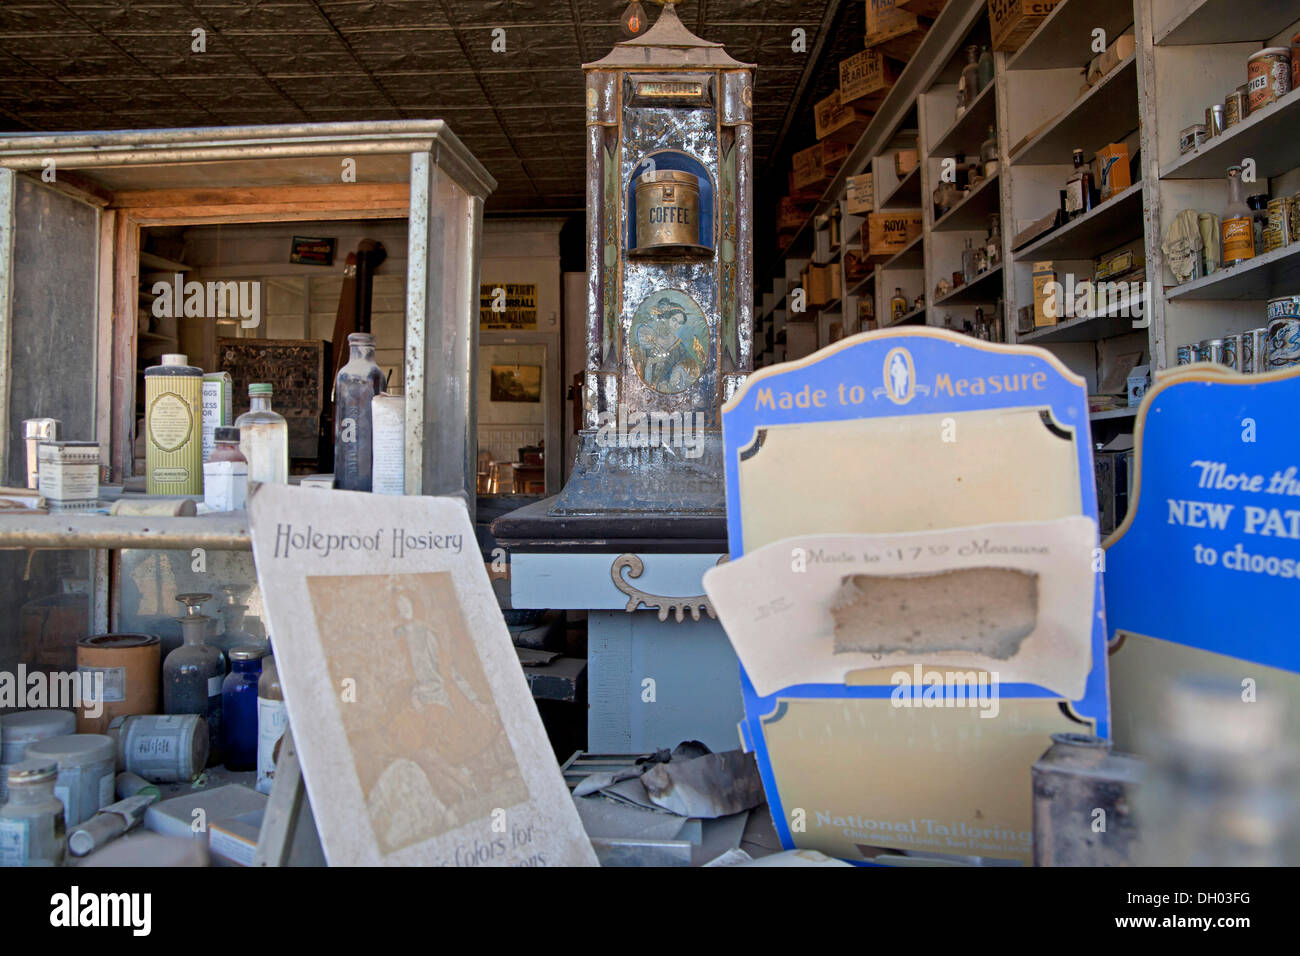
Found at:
(36, 431)
(1192, 137)
(667, 209)
(1259, 345)
(1210, 350)
(1278, 231)
(24, 728)
(1246, 353)
(171, 748)
(1268, 75)
(174, 427)
(1235, 108)
(1186, 354)
(1283, 332)
(1231, 345)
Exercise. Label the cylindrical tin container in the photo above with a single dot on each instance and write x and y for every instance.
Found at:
(1235, 109)
(86, 772)
(68, 470)
(173, 421)
(1278, 231)
(1283, 332)
(24, 728)
(1186, 354)
(1259, 344)
(1268, 75)
(162, 748)
(667, 209)
(1231, 345)
(129, 665)
(388, 420)
(1210, 350)
(1214, 121)
(1246, 353)
(36, 431)
(1192, 137)
(1077, 777)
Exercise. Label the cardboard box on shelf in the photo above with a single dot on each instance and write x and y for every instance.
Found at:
(791, 214)
(892, 31)
(1012, 21)
(817, 165)
(816, 285)
(865, 78)
(856, 266)
(859, 196)
(1120, 50)
(905, 161)
(833, 280)
(1112, 170)
(888, 233)
(1044, 273)
(835, 120)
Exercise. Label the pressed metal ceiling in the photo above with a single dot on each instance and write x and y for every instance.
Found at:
(113, 64)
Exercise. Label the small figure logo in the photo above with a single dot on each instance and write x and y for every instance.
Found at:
(900, 376)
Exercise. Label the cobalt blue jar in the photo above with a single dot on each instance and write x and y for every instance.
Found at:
(239, 707)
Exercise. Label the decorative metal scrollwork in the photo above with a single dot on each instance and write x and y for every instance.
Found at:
(636, 597)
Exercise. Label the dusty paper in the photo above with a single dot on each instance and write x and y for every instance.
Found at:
(419, 740)
(780, 604)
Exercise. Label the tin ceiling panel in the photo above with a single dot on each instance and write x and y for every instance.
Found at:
(107, 64)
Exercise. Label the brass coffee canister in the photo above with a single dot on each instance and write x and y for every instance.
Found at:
(667, 210)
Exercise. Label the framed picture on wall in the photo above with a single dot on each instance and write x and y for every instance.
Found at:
(516, 383)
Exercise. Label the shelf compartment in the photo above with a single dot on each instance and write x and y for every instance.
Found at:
(1105, 114)
(1081, 329)
(985, 289)
(971, 129)
(1268, 137)
(907, 194)
(1227, 21)
(1114, 222)
(862, 283)
(906, 318)
(1113, 413)
(1264, 277)
(973, 211)
(1071, 24)
(911, 256)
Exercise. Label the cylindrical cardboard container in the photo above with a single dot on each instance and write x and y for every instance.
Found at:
(86, 772)
(130, 666)
(162, 748)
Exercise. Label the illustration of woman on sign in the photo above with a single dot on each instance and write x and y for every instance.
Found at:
(669, 342)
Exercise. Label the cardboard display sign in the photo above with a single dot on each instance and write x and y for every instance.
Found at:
(913, 438)
(419, 741)
(1203, 575)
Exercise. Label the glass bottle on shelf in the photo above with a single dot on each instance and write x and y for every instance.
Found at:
(968, 270)
(989, 154)
(264, 437)
(993, 244)
(1237, 227)
(192, 674)
(239, 707)
(1258, 204)
(357, 383)
(985, 67)
(233, 633)
(32, 827)
(1079, 190)
(962, 173)
(272, 720)
(897, 305)
(968, 85)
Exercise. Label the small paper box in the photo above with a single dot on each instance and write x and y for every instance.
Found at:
(860, 195)
(1012, 21)
(1139, 380)
(905, 161)
(837, 121)
(1113, 171)
(888, 233)
(1044, 274)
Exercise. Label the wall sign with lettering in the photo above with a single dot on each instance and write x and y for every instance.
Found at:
(508, 306)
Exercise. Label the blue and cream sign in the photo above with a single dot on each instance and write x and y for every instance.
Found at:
(887, 458)
(1204, 574)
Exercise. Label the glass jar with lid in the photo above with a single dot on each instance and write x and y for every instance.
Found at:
(264, 437)
(32, 827)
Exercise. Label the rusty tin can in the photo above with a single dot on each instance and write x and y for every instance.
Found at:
(1235, 108)
(1268, 74)
(667, 209)
(1083, 803)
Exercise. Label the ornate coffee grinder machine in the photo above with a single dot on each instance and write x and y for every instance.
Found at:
(669, 340)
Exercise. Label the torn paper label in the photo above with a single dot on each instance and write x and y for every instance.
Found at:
(1015, 599)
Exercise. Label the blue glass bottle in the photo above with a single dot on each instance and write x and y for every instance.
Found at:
(239, 707)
